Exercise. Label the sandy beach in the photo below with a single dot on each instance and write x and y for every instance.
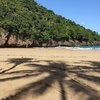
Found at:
(49, 74)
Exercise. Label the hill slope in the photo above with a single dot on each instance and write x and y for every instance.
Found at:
(30, 24)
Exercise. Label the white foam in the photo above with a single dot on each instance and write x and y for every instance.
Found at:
(77, 48)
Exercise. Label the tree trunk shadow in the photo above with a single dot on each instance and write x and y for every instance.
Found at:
(62, 89)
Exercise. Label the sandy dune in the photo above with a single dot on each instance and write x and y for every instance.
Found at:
(49, 74)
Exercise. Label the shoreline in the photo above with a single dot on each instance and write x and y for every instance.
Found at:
(95, 47)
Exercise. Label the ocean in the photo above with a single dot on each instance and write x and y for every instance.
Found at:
(81, 47)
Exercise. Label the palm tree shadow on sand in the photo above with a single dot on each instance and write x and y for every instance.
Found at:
(58, 72)
(16, 62)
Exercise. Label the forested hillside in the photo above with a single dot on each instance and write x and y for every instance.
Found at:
(30, 24)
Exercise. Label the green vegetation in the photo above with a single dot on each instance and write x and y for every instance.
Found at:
(26, 19)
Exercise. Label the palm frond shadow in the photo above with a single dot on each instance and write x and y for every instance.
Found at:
(57, 72)
(89, 77)
(16, 62)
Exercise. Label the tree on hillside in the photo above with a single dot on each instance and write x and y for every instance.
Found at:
(15, 18)
(26, 19)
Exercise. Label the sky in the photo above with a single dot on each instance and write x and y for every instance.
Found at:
(83, 12)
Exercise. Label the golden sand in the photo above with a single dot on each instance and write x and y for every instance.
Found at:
(49, 74)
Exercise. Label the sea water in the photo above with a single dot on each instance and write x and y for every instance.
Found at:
(81, 47)
(95, 47)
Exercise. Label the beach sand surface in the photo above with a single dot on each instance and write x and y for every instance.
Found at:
(49, 74)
